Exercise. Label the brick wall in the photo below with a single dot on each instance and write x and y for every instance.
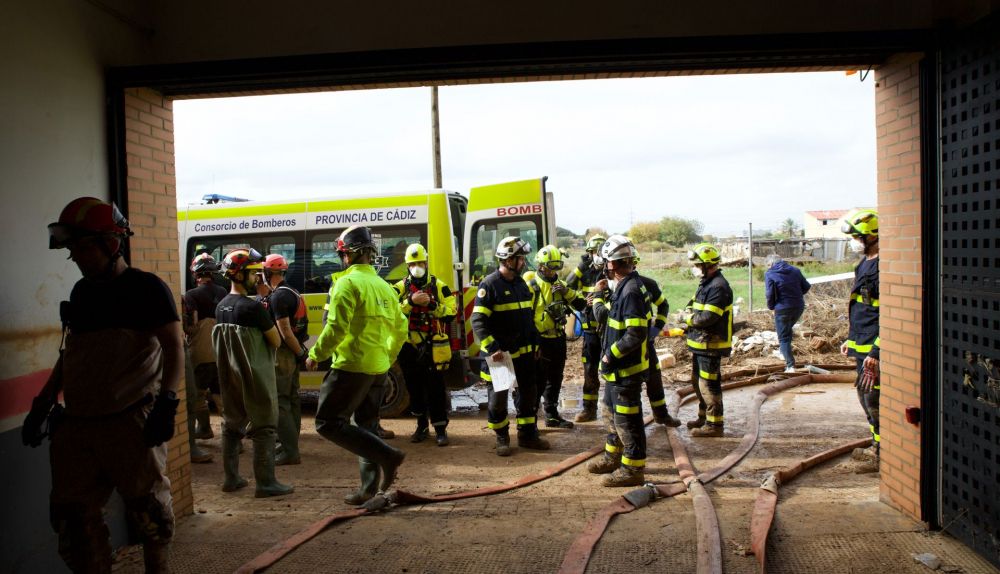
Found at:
(152, 211)
(897, 121)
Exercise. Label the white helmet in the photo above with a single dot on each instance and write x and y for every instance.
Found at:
(512, 246)
(618, 247)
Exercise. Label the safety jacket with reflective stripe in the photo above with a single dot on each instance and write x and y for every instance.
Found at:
(544, 296)
(582, 278)
(365, 328)
(862, 338)
(424, 321)
(659, 308)
(627, 332)
(710, 326)
(503, 318)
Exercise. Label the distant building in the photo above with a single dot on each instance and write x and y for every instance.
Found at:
(825, 224)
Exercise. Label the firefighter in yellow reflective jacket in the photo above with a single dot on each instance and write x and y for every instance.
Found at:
(624, 366)
(503, 321)
(553, 302)
(709, 317)
(363, 333)
(582, 279)
(862, 340)
(430, 306)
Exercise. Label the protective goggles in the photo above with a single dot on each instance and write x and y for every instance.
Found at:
(553, 265)
(62, 235)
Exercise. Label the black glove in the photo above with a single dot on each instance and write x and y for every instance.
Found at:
(31, 432)
(160, 422)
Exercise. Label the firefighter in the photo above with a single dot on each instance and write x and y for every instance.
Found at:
(123, 345)
(553, 301)
(624, 367)
(289, 313)
(245, 339)
(429, 305)
(199, 317)
(503, 321)
(709, 321)
(659, 309)
(862, 340)
(363, 333)
(582, 279)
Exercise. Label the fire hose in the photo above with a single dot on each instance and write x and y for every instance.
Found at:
(579, 553)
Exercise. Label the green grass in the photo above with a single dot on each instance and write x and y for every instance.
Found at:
(679, 285)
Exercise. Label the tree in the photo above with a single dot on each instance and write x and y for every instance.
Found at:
(677, 231)
(592, 231)
(788, 227)
(644, 232)
(563, 232)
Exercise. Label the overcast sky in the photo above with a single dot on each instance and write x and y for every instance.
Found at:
(724, 150)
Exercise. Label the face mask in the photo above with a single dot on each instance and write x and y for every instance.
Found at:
(612, 283)
(857, 246)
(417, 271)
(697, 272)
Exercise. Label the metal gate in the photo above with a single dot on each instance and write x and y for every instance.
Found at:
(970, 288)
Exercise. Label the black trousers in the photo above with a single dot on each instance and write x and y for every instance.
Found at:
(345, 394)
(591, 358)
(524, 400)
(706, 376)
(869, 402)
(549, 373)
(425, 384)
(623, 419)
(654, 382)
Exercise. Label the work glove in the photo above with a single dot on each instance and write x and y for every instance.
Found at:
(869, 374)
(160, 422)
(32, 433)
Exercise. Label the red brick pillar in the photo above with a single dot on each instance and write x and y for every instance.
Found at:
(897, 121)
(152, 211)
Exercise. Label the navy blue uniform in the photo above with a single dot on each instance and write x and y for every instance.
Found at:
(862, 339)
(709, 338)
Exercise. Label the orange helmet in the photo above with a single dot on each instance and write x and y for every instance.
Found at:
(242, 259)
(275, 262)
(87, 217)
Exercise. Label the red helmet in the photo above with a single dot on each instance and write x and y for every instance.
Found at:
(241, 259)
(275, 262)
(204, 263)
(87, 216)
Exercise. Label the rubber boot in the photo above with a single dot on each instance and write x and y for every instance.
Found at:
(391, 468)
(198, 456)
(533, 441)
(606, 464)
(263, 466)
(156, 557)
(231, 462)
(554, 420)
(588, 414)
(203, 418)
(288, 435)
(503, 444)
(697, 423)
(422, 432)
(441, 436)
(625, 475)
(369, 484)
(662, 417)
(385, 434)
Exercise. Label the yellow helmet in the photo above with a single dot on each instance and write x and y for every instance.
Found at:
(595, 243)
(550, 257)
(860, 222)
(704, 253)
(415, 253)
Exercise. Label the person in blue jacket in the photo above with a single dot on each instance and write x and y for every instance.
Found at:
(785, 287)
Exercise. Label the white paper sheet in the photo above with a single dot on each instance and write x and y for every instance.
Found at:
(502, 372)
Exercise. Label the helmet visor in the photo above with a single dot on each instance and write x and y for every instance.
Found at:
(256, 259)
(554, 265)
(847, 228)
(62, 235)
(692, 256)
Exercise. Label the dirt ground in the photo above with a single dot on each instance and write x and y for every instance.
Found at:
(829, 520)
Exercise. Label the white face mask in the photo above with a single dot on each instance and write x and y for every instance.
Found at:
(697, 272)
(857, 246)
(417, 271)
(612, 284)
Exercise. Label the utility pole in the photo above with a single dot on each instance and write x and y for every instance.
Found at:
(436, 138)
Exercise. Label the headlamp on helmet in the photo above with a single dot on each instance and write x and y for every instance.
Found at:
(512, 246)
